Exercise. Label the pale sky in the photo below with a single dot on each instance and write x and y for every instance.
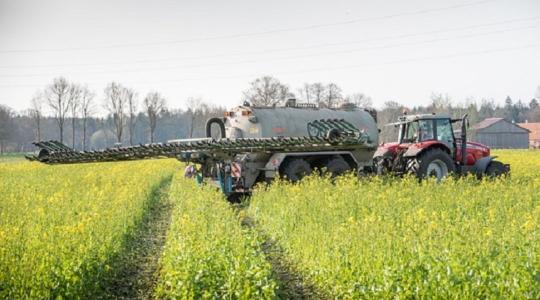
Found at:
(389, 50)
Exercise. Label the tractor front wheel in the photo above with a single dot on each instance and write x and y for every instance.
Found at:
(381, 165)
(431, 163)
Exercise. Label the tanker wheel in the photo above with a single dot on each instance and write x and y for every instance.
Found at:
(296, 169)
(432, 163)
(337, 166)
(496, 169)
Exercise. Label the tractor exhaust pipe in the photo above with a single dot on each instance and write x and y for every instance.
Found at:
(464, 121)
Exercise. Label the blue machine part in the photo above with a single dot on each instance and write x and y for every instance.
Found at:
(199, 178)
(225, 183)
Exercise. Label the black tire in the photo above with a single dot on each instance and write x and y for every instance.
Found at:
(337, 166)
(432, 163)
(496, 169)
(296, 169)
(381, 166)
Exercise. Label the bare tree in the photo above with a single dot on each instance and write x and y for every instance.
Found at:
(115, 103)
(132, 111)
(440, 103)
(332, 96)
(194, 105)
(154, 105)
(36, 113)
(360, 100)
(305, 93)
(267, 91)
(389, 113)
(317, 90)
(58, 100)
(74, 95)
(6, 124)
(86, 110)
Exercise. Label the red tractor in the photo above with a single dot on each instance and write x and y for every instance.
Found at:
(427, 147)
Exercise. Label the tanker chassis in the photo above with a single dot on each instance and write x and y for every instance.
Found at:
(257, 144)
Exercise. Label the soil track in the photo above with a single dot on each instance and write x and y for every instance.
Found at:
(136, 269)
(291, 284)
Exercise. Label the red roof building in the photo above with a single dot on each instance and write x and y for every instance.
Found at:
(534, 135)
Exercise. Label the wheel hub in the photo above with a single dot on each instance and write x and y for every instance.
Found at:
(438, 169)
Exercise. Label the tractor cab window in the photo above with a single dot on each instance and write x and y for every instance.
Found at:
(425, 130)
(410, 133)
(444, 131)
(418, 131)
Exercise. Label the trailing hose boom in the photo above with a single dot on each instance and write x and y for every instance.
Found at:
(54, 152)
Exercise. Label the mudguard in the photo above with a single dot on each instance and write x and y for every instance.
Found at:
(481, 165)
(382, 152)
(415, 149)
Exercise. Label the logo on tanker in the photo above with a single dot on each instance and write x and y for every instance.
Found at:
(253, 130)
(278, 129)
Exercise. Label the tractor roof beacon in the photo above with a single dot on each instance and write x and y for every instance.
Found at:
(257, 144)
(427, 147)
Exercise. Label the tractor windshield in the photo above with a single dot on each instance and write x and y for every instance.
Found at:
(418, 131)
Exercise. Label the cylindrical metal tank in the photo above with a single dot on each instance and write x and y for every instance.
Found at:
(255, 122)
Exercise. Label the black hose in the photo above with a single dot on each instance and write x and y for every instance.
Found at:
(464, 140)
(218, 121)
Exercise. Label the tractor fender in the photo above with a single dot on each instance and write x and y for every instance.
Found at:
(481, 165)
(415, 150)
(382, 152)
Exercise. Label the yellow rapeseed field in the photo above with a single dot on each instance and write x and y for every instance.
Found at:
(208, 254)
(62, 229)
(61, 226)
(396, 238)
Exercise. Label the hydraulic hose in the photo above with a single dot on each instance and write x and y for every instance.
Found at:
(220, 123)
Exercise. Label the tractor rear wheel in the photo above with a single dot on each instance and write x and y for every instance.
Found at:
(337, 166)
(432, 163)
(296, 169)
(496, 169)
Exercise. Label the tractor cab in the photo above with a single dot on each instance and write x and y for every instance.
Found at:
(427, 146)
(426, 128)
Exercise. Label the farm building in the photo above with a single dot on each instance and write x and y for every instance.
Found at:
(534, 136)
(499, 133)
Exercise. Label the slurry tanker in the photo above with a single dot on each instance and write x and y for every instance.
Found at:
(257, 144)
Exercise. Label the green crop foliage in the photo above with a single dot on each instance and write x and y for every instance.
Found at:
(208, 254)
(396, 238)
(62, 226)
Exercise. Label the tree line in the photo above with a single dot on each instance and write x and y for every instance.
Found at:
(269, 91)
(67, 111)
(68, 100)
